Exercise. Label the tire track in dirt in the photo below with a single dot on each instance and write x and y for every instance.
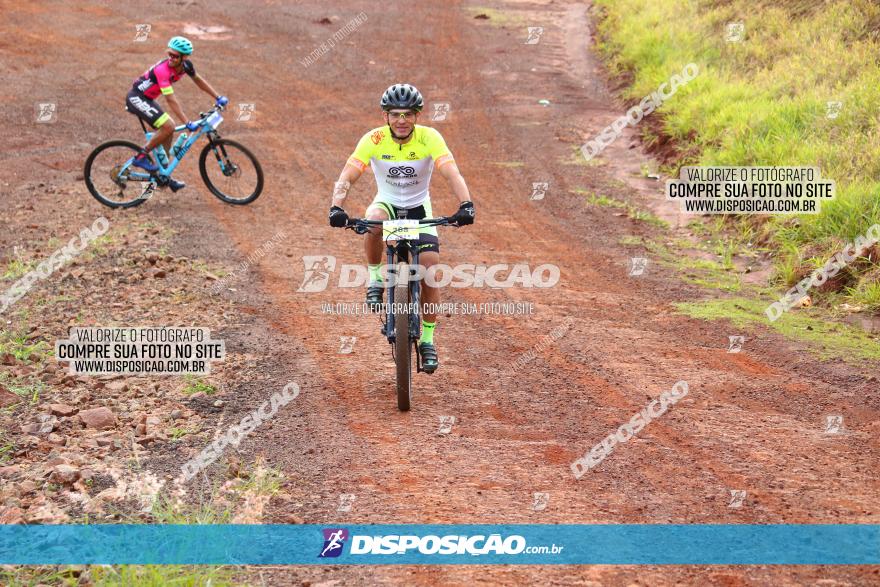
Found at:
(668, 445)
(751, 421)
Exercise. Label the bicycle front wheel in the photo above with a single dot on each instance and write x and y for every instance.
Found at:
(109, 177)
(402, 346)
(233, 174)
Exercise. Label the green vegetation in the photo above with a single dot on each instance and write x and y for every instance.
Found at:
(604, 201)
(577, 158)
(764, 101)
(162, 575)
(16, 268)
(260, 480)
(828, 339)
(7, 447)
(118, 575)
(497, 17)
(703, 272)
(632, 212)
(166, 511)
(195, 384)
(29, 388)
(177, 433)
(99, 246)
(18, 345)
(867, 294)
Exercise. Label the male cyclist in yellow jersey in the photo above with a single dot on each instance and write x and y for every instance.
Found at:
(403, 155)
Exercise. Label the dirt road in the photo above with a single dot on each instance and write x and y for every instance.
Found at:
(753, 421)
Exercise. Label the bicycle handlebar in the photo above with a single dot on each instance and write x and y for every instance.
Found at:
(361, 225)
(202, 117)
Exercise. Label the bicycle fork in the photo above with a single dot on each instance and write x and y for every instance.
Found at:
(394, 257)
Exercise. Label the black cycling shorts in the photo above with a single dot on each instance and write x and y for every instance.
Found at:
(427, 242)
(145, 108)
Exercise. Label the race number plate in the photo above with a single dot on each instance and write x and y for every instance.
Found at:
(406, 229)
(214, 120)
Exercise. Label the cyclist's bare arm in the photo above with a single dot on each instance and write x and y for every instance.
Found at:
(349, 175)
(453, 177)
(174, 106)
(205, 86)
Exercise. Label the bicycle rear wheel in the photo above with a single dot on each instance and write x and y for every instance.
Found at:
(235, 175)
(402, 347)
(109, 180)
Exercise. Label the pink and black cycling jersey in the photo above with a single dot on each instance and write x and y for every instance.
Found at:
(158, 79)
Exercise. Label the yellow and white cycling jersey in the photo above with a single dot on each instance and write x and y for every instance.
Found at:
(403, 172)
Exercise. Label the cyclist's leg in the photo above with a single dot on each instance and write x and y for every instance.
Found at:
(430, 294)
(164, 135)
(377, 210)
(150, 112)
(429, 255)
(373, 249)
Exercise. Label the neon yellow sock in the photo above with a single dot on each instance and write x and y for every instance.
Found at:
(427, 332)
(375, 273)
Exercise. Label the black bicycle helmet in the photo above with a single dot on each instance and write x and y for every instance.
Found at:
(402, 96)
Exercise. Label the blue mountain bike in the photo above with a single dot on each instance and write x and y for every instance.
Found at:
(233, 173)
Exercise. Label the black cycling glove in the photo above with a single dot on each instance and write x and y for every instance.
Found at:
(338, 217)
(465, 214)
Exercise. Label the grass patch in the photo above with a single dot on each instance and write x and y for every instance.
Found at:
(17, 268)
(28, 390)
(577, 158)
(97, 247)
(165, 511)
(18, 345)
(260, 480)
(28, 576)
(161, 575)
(646, 217)
(203, 267)
(632, 212)
(195, 384)
(718, 275)
(178, 433)
(497, 17)
(764, 101)
(827, 339)
(602, 201)
(867, 294)
(7, 447)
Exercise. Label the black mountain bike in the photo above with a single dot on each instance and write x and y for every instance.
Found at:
(402, 319)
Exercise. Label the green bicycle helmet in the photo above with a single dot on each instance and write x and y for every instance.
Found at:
(181, 45)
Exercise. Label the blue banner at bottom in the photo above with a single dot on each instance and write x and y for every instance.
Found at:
(426, 544)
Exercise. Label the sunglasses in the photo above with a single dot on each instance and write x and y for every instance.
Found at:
(408, 116)
(174, 55)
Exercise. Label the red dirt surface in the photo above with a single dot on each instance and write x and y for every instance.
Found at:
(753, 421)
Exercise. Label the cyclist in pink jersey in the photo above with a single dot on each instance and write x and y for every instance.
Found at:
(156, 81)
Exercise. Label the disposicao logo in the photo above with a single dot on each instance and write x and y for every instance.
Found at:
(334, 539)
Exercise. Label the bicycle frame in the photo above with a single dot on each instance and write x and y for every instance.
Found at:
(173, 160)
(403, 250)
